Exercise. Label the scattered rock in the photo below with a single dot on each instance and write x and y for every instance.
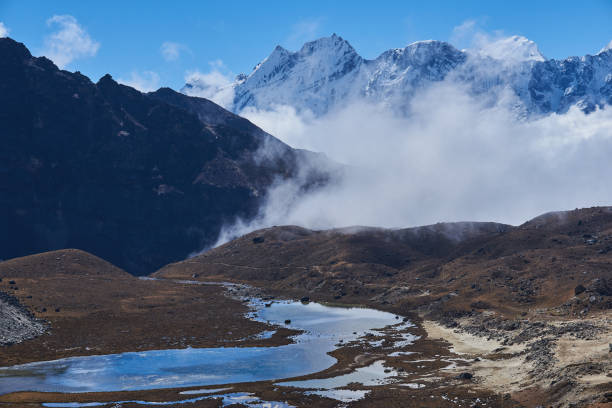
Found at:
(17, 323)
(600, 287)
(480, 305)
(465, 376)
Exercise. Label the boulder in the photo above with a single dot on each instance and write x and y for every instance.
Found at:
(579, 289)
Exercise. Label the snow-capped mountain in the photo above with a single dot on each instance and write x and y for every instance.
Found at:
(327, 73)
(511, 50)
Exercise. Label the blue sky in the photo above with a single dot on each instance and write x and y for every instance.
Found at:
(125, 38)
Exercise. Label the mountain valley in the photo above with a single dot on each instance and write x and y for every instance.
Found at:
(495, 295)
(148, 255)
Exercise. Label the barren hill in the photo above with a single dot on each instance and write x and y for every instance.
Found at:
(445, 267)
(90, 306)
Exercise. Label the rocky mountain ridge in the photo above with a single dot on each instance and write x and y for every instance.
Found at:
(328, 73)
(138, 179)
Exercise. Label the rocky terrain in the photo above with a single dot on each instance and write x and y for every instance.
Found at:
(558, 261)
(539, 360)
(529, 306)
(17, 323)
(138, 179)
(504, 316)
(328, 73)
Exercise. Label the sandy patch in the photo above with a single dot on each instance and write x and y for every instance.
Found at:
(512, 374)
(508, 375)
(577, 351)
(595, 379)
(465, 343)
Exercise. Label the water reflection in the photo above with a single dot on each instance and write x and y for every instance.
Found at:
(323, 328)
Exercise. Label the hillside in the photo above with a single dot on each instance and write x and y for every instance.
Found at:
(521, 314)
(138, 179)
(89, 306)
(440, 268)
(526, 309)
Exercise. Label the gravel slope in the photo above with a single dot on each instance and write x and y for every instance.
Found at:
(17, 324)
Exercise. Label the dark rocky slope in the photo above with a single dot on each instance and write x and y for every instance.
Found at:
(140, 180)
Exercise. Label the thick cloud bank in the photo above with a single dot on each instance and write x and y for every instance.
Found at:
(452, 158)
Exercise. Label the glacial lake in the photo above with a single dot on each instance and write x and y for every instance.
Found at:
(323, 328)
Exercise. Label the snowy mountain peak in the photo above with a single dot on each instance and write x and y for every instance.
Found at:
(327, 74)
(426, 50)
(280, 50)
(316, 74)
(435, 57)
(512, 49)
(427, 44)
(278, 56)
(606, 48)
(279, 53)
(334, 44)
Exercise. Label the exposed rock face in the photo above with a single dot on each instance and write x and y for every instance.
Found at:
(16, 322)
(327, 73)
(140, 180)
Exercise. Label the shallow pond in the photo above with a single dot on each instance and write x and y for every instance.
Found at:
(323, 328)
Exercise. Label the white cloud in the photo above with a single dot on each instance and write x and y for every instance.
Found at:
(4, 31)
(214, 85)
(471, 36)
(70, 41)
(606, 48)
(283, 120)
(147, 81)
(464, 30)
(453, 158)
(171, 51)
(510, 49)
(217, 65)
(303, 31)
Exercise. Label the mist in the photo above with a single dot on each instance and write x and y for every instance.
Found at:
(453, 157)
